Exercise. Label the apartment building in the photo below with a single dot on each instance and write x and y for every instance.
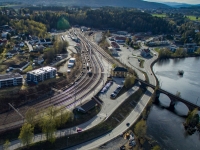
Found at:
(41, 74)
(12, 79)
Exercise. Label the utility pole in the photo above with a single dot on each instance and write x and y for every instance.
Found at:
(16, 111)
(197, 100)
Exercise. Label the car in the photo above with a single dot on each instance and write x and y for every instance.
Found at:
(103, 90)
(78, 129)
(122, 147)
(113, 95)
(119, 87)
(132, 143)
(127, 124)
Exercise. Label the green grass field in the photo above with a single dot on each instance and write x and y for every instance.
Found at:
(193, 18)
(159, 15)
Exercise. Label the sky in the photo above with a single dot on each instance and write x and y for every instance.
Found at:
(178, 1)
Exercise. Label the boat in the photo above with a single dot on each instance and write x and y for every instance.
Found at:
(181, 72)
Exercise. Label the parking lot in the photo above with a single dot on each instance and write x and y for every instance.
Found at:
(106, 94)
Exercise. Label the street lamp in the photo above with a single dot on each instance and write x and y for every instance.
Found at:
(67, 140)
(74, 94)
(197, 100)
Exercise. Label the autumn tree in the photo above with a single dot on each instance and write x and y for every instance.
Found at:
(129, 81)
(26, 133)
(156, 148)
(140, 129)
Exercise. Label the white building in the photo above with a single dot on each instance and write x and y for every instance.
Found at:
(11, 80)
(41, 74)
(4, 34)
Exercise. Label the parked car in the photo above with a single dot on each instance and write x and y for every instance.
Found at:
(103, 90)
(119, 87)
(113, 95)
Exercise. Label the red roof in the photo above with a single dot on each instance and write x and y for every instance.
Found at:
(115, 45)
(146, 50)
(121, 38)
(3, 40)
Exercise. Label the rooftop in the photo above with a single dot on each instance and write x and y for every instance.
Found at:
(10, 75)
(42, 70)
(120, 38)
(115, 45)
(120, 69)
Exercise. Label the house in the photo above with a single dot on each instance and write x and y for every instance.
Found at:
(190, 47)
(38, 60)
(21, 66)
(21, 44)
(83, 28)
(41, 74)
(145, 52)
(11, 53)
(115, 46)
(87, 106)
(3, 41)
(119, 72)
(112, 50)
(4, 34)
(122, 32)
(48, 41)
(42, 41)
(173, 48)
(120, 39)
(11, 80)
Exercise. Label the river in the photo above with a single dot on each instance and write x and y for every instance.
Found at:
(164, 126)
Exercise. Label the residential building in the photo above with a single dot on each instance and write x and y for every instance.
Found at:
(145, 52)
(21, 66)
(38, 60)
(41, 74)
(10, 80)
(115, 46)
(112, 50)
(3, 41)
(4, 34)
(122, 32)
(173, 48)
(119, 72)
(120, 39)
(190, 47)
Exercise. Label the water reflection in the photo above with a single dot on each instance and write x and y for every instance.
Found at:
(163, 62)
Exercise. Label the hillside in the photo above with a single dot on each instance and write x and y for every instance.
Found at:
(92, 3)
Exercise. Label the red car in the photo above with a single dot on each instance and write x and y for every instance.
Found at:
(78, 129)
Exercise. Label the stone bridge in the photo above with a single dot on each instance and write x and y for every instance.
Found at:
(173, 98)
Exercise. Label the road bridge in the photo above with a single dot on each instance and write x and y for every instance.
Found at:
(173, 98)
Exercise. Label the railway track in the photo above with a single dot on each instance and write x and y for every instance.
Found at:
(83, 87)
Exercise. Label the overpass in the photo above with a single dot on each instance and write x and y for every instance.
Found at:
(173, 98)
